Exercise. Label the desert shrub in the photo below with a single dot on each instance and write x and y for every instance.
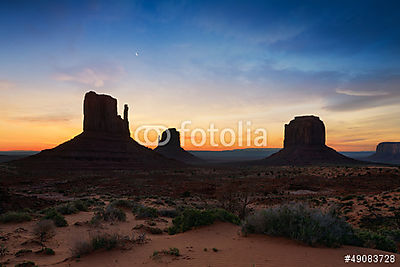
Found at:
(102, 241)
(44, 229)
(81, 205)
(67, 209)
(114, 214)
(171, 251)
(154, 230)
(369, 239)
(21, 252)
(143, 212)
(81, 248)
(170, 213)
(56, 217)
(26, 264)
(122, 203)
(110, 213)
(191, 218)
(3, 250)
(299, 222)
(47, 251)
(348, 197)
(15, 217)
(105, 241)
(391, 233)
(186, 194)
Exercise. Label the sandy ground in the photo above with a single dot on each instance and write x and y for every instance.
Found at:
(233, 248)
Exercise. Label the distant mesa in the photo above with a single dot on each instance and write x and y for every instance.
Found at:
(169, 145)
(104, 143)
(387, 152)
(304, 144)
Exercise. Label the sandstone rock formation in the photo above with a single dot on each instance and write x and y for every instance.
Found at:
(100, 115)
(104, 143)
(387, 152)
(304, 131)
(304, 144)
(169, 145)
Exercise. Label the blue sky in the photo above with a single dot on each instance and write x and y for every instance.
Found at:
(220, 61)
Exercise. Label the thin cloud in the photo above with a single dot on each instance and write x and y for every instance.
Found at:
(43, 118)
(360, 93)
(96, 76)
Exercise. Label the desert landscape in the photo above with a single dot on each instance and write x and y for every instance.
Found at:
(125, 205)
(199, 133)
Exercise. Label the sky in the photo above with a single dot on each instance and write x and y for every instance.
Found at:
(205, 61)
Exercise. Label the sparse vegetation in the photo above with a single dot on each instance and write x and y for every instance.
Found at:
(299, 222)
(110, 213)
(171, 251)
(369, 239)
(191, 218)
(44, 229)
(22, 252)
(26, 264)
(15, 217)
(154, 230)
(3, 250)
(122, 203)
(102, 241)
(47, 251)
(56, 217)
(170, 213)
(143, 212)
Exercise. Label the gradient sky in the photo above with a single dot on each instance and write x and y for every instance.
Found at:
(204, 61)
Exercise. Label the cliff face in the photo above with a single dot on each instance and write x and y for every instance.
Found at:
(304, 131)
(100, 115)
(304, 144)
(387, 152)
(388, 148)
(169, 145)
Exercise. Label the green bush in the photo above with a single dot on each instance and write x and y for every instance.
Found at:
(56, 217)
(369, 239)
(191, 218)
(15, 217)
(299, 222)
(143, 212)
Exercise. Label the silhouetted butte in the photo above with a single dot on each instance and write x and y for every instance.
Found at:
(304, 144)
(169, 145)
(104, 143)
